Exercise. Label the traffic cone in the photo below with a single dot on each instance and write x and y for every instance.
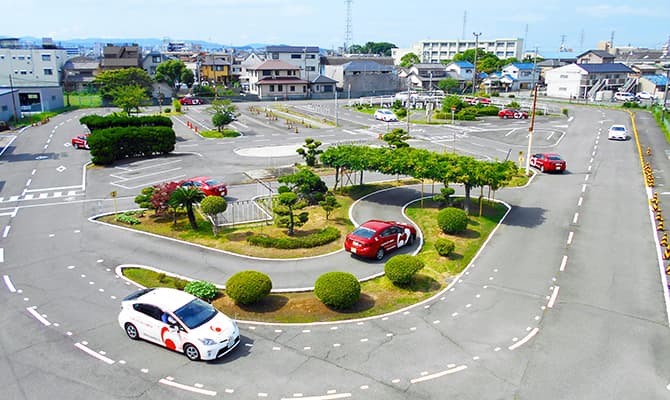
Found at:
(666, 255)
(196, 129)
(660, 226)
(664, 239)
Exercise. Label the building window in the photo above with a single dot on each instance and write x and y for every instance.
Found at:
(46, 57)
(563, 77)
(311, 56)
(23, 72)
(4, 108)
(275, 56)
(48, 71)
(272, 88)
(311, 68)
(296, 56)
(280, 88)
(267, 72)
(156, 59)
(22, 58)
(291, 88)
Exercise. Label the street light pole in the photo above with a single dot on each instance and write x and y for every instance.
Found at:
(474, 75)
(530, 132)
(665, 96)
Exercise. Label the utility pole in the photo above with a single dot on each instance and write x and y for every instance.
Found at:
(474, 75)
(530, 132)
(665, 96)
(16, 116)
(532, 86)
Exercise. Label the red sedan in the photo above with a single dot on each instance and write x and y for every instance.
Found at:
(375, 238)
(547, 162)
(80, 141)
(512, 113)
(190, 101)
(209, 186)
(473, 101)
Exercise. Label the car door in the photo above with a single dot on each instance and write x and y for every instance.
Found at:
(148, 318)
(388, 238)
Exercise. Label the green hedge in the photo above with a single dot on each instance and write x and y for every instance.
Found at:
(97, 122)
(320, 238)
(400, 269)
(203, 289)
(108, 145)
(444, 246)
(248, 287)
(487, 110)
(339, 290)
(452, 220)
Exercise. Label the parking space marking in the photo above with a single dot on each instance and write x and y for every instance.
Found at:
(92, 353)
(193, 389)
(524, 340)
(439, 374)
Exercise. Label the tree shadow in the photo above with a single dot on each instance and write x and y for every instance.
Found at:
(10, 156)
(526, 217)
(365, 302)
(270, 303)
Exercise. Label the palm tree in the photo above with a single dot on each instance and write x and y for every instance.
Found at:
(186, 197)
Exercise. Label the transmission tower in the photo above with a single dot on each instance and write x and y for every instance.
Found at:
(347, 30)
(465, 22)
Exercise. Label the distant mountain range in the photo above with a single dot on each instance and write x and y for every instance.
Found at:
(147, 43)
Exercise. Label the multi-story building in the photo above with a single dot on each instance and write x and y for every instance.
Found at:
(35, 71)
(587, 80)
(215, 68)
(79, 73)
(121, 56)
(516, 76)
(435, 51)
(307, 58)
(276, 79)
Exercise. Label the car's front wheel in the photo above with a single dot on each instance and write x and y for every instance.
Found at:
(380, 254)
(131, 331)
(191, 352)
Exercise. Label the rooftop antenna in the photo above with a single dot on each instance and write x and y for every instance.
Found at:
(347, 30)
(562, 48)
(612, 41)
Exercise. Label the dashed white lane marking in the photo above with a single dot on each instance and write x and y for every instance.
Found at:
(37, 316)
(439, 374)
(579, 203)
(552, 300)
(188, 388)
(586, 177)
(564, 262)
(570, 236)
(326, 397)
(524, 340)
(92, 353)
(583, 188)
(575, 218)
(9, 284)
(5, 232)
(2, 255)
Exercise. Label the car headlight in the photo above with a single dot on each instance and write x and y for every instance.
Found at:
(207, 342)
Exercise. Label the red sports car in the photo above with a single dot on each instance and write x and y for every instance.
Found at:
(547, 162)
(80, 141)
(473, 101)
(512, 113)
(209, 186)
(375, 238)
(190, 101)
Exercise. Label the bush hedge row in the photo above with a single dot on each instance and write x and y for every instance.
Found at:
(444, 246)
(248, 287)
(97, 122)
(400, 269)
(320, 238)
(108, 145)
(339, 290)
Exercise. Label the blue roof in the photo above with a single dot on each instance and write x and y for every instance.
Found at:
(658, 80)
(292, 49)
(605, 68)
(523, 66)
(557, 55)
(366, 66)
(464, 64)
(510, 77)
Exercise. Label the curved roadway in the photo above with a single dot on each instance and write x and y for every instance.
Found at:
(564, 302)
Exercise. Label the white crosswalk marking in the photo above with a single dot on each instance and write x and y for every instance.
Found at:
(41, 196)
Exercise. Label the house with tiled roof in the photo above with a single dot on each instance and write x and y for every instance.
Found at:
(306, 58)
(426, 75)
(587, 81)
(517, 76)
(364, 78)
(277, 80)
(595, 57)
(654, 84)
(79, 73)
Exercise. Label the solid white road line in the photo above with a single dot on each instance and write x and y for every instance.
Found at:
(188, 388)
(37, 316)
(524, 340)
(93, 353)
(2, 255)
(327, 397)
(9, 284)
(439, 374)
(554, 295)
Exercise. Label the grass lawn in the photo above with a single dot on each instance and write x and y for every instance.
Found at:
(379, 295)
(226, 133)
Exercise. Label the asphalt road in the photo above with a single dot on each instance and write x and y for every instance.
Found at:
(566, 301)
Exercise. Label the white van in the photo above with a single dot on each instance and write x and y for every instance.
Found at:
(624, 96)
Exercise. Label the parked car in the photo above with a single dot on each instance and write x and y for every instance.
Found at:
(548, 162)
(375, 238)
(179, 321)
(617, 132)
(512, 113)
(644, 96)
(208, 185)
(80, 141)
(188, 101)
(473, 101)
(624, 96)
(385, 115)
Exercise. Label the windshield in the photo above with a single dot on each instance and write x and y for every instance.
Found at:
(618, 128)
(212, 182)
(364, 232)
(555, 158)
(195, 313)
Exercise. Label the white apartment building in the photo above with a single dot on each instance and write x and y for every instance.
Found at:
(307, 58)
(435, 51)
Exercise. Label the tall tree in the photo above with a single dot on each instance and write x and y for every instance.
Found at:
(409, 59)
(129, 98)
(397, 138)
(187, 197)
(107, 81)
(310, 151)
(170, 72)
(288, 203)
(449, 85)
(187, 77)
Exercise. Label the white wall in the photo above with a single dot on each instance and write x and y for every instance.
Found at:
(563, 82)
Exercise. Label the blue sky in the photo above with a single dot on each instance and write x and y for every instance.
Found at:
(322, 23)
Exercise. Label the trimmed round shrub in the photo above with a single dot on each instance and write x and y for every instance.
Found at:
(444, 246)
(400, 269)
(203, 289)
(339, 290)
(452, 220)
(248, 287)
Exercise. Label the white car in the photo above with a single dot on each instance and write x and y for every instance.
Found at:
(624, 96)
(178, 321)
(385, 115)
(617, 132)
(644, 96)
